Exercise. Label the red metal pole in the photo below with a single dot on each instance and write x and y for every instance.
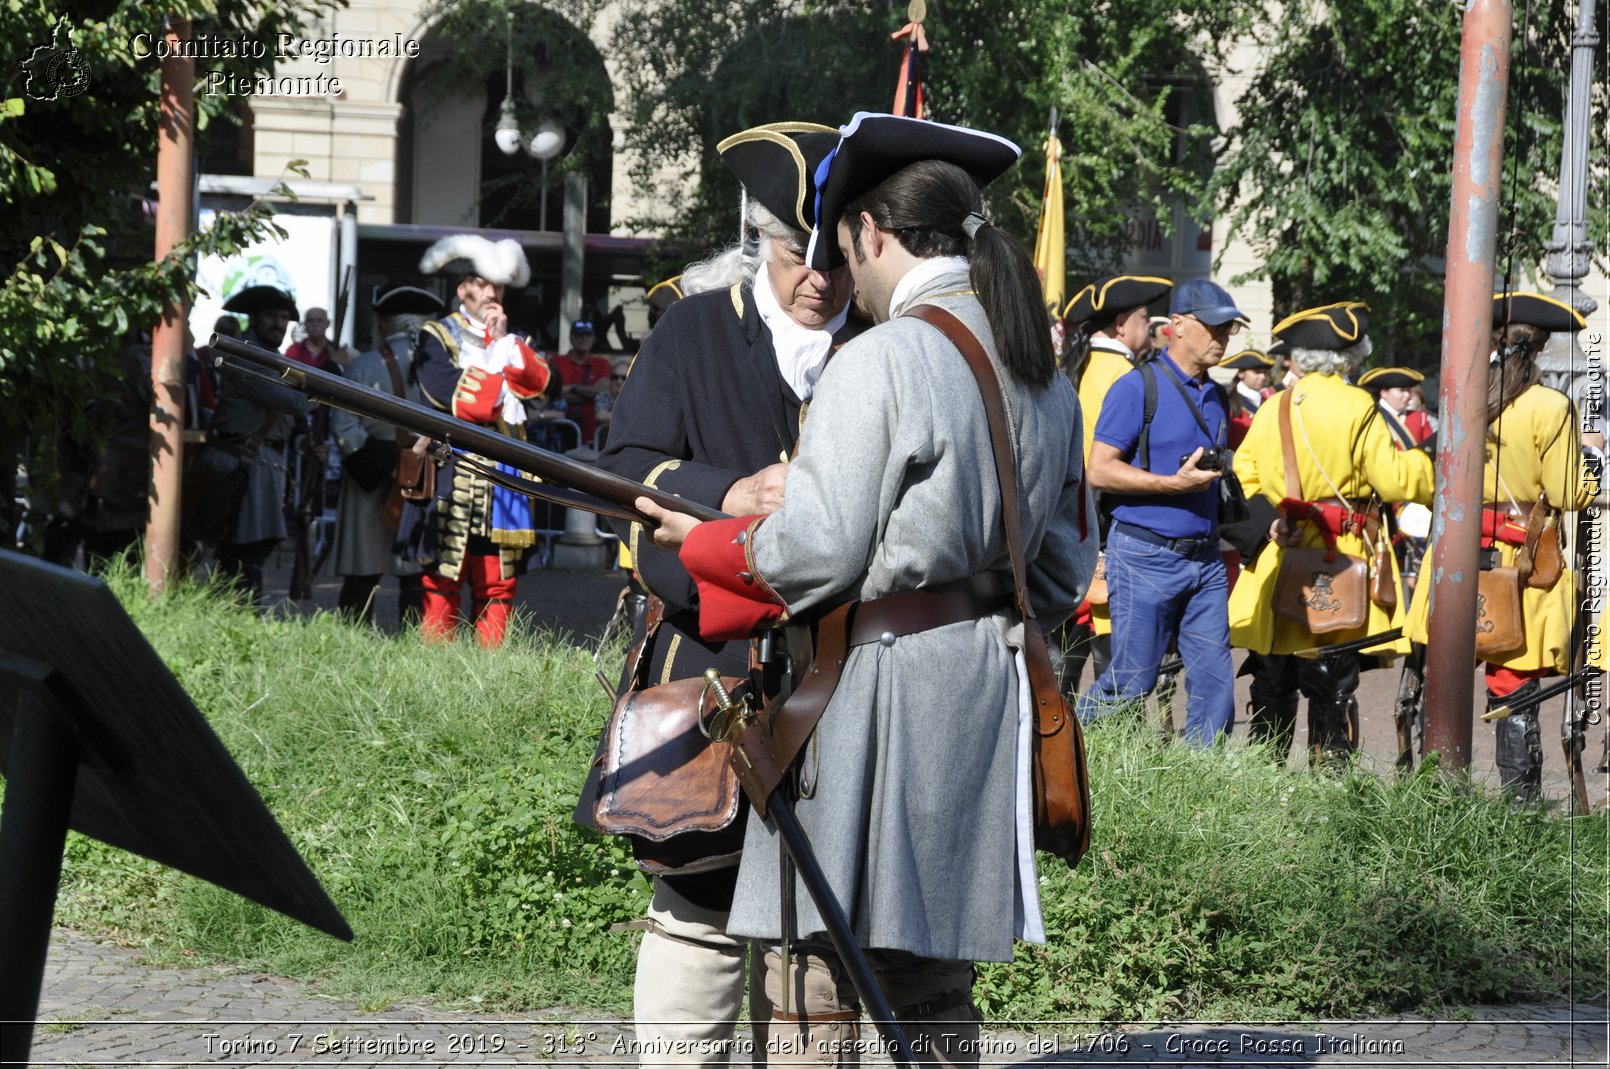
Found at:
(168, 338)
(1467, 329)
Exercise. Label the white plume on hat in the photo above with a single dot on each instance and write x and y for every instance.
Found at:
(502, 262)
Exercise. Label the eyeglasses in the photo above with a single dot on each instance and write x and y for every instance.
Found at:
(1223, 330)
(617, 378)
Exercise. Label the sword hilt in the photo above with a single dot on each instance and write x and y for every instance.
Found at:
(730, 718)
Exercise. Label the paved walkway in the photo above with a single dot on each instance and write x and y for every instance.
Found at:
(102, 1006)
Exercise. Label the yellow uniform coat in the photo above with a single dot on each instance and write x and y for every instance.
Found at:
(1336, 427)
(1104, 368)
(1535, 447)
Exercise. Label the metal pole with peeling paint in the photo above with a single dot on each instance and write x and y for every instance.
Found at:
(1466, 333)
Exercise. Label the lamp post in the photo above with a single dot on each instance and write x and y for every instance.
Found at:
(1570, 252)
(544, 145)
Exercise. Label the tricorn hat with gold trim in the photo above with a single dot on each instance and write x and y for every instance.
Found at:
(777, 164)
(1108, 296)
(1330, 326)
(1388, 378)
(1535, 310)
(1248, 360)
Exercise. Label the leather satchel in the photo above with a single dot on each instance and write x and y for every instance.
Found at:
(1541, 560)
(661, 776)
(416, 472)
(1060, 776)
(660, 780)
(1321, 589)
(1500, 627)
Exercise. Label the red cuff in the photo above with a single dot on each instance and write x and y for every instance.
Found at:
(476, 397)
(531, 377)
(734, 601)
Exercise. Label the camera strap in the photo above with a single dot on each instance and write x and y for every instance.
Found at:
(1148, 372)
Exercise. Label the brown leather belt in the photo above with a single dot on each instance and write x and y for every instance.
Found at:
(911, 611)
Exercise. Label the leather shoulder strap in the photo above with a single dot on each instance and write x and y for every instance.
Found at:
(1288, 448)
(989, 387)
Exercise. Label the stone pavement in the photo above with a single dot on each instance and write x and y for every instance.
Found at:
(102, 1007)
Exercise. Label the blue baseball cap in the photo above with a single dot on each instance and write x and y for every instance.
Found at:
(582, 326)
(1207, 301)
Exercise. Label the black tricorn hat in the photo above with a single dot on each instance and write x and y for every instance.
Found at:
(1331, 326)
(874, 146)
(1248, 360)
(406, 300)
(1387, 378)
(254, 299)
(777, 164)
(1113, 294)
(1535, 310)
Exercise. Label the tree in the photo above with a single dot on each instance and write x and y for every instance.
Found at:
(77, 159)
(1340, 169)
(698, 70)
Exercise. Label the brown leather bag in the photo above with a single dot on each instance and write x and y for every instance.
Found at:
(1541, 559)
(1321, 589)
(1500, 626)
(1060, 775)
(1383, 591)
(416, 472)
(660, 779)
(661, 776)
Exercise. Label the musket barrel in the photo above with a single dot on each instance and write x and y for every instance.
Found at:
(427, 422)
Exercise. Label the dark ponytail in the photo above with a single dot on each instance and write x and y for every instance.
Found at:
(928, 205)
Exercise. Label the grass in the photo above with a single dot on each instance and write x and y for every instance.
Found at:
(430, 790)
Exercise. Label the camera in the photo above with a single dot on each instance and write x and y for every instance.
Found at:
(1212, 459)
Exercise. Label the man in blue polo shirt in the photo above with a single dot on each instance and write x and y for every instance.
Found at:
(1165, 577)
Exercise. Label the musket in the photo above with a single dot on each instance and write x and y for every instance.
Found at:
(565, 481)
(1411, 689)
(579, 485)
(1541, 695)
(731, 720)
(1352, 645)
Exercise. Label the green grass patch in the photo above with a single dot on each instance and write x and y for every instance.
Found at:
(430, 790)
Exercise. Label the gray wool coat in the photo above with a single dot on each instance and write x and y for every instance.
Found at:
(911, 811)
(363, 542)
(253, 405)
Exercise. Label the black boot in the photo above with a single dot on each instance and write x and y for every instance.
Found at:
(1272, 712)
(1519, 745)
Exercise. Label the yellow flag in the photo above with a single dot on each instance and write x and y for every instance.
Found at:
(1048, 246)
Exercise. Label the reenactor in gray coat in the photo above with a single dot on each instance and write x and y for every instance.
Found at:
(370, 505)
(914, 791)
(253, 425)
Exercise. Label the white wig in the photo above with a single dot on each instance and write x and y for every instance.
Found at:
(1332, 361)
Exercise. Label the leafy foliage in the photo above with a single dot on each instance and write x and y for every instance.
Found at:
(698, 71)
(1340, 168)
(75, 174)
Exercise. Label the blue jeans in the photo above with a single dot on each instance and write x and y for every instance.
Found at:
(1157, 595)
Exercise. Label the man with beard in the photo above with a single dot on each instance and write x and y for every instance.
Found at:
(255, 420)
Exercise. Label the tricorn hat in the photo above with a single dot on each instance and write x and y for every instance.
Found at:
(1248, 360)
(874, 146)
(406, 300)
(1535, 310)
(501, 262)
(777, 164)
(254, 299)
(1331, 326)
(1388, 378)
(1113, 294)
